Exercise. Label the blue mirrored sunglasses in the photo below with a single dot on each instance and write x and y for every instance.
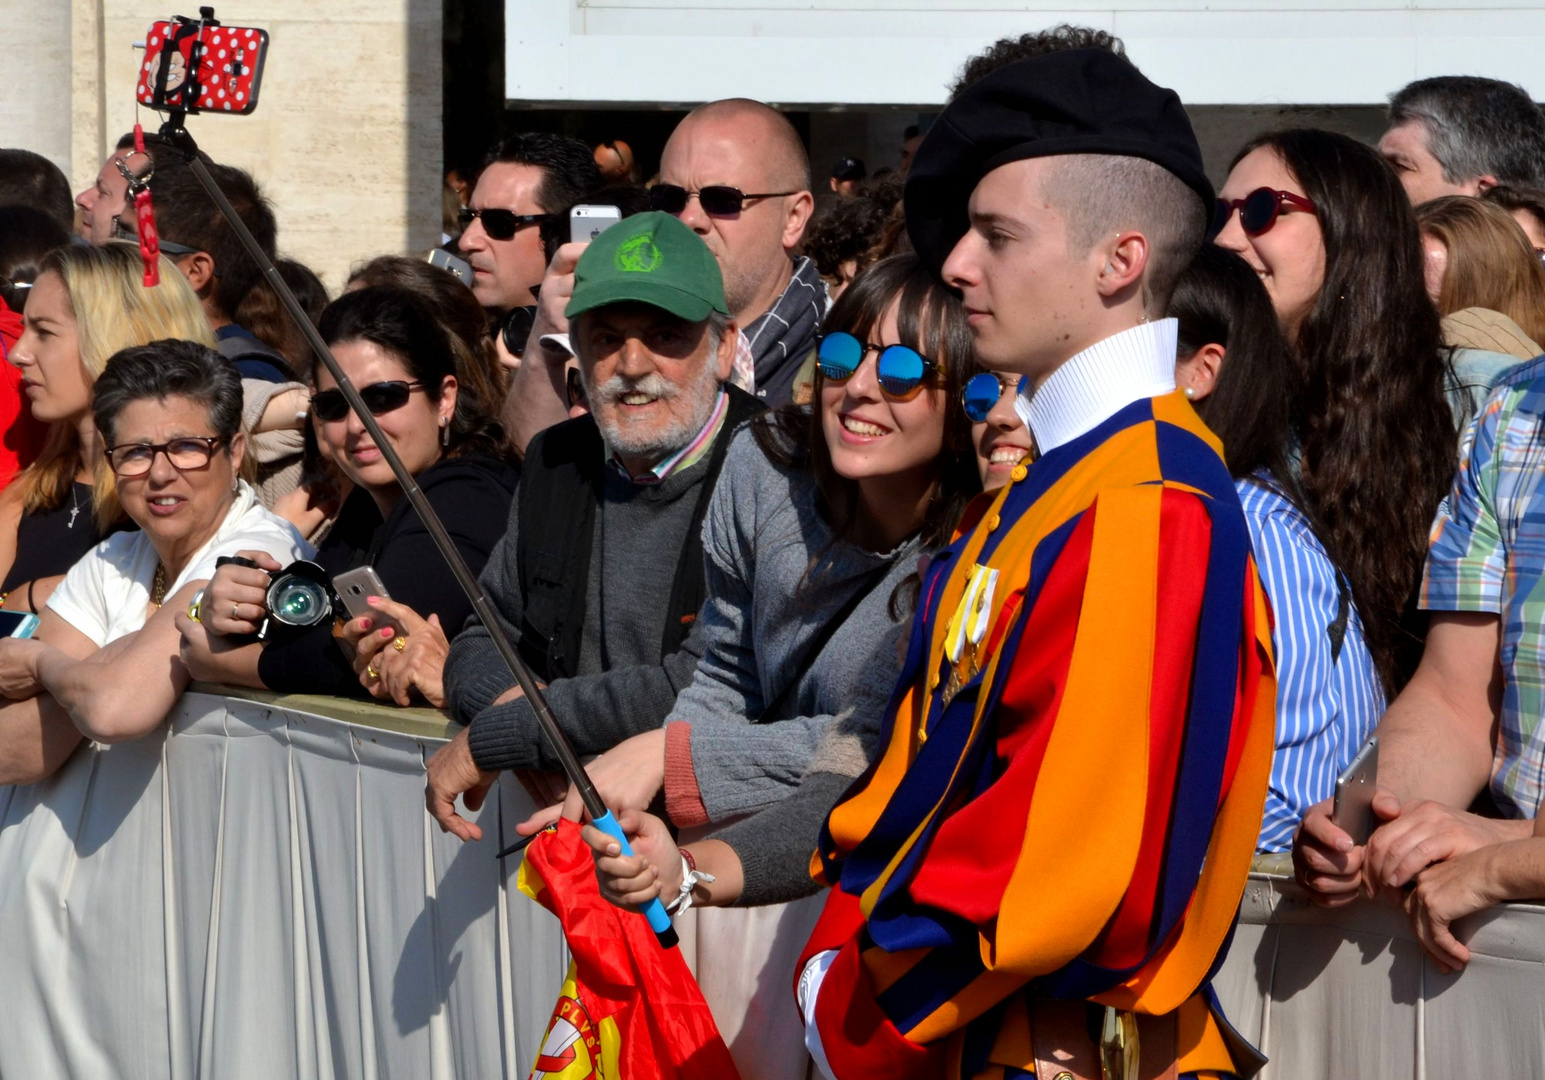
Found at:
(900, 370)
(982, 392)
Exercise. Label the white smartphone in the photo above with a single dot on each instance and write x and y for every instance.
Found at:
(588, 222)
(353, 586)
(446, 261)
(20, 624)
(1353, 809)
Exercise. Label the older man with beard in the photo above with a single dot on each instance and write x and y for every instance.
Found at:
(600, 576)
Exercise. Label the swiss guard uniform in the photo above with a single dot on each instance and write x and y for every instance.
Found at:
(1042, 868)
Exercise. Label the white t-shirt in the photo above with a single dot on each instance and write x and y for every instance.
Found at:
(107, 594)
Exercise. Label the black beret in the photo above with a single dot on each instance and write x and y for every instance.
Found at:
(1079, 101)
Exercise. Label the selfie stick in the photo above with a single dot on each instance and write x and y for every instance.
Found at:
(175, 133)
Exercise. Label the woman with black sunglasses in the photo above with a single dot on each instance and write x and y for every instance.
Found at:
(401, 360)
(1325, 224)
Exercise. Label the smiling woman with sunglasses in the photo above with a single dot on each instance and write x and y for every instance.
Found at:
(404, 367)
(1335, 242)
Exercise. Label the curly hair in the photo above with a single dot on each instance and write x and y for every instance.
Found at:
(1059, 38)
(1376, 435)
(844, 230)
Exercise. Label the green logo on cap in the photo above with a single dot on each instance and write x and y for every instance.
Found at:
(639, 256)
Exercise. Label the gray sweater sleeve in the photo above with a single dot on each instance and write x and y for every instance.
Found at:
(775, 845)
(736, 765)
(596, 711)
(742, 768)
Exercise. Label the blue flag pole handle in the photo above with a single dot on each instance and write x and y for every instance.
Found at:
(654, 911)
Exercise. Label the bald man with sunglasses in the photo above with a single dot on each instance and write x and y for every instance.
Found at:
(736, 173)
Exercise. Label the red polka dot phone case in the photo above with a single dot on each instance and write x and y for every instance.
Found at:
(201, 66)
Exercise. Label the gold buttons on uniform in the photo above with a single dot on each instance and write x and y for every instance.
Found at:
(1019, 473)
(993, 523)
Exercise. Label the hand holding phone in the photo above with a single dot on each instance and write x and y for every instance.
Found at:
(1352, 811)
(354, 587)
(22, 624)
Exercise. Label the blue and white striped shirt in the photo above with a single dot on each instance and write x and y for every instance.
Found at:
(1325, 708)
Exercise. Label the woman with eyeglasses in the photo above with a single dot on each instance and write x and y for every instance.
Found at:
(1326, 226)
(402, 362)
(103, 663)
(85, 304)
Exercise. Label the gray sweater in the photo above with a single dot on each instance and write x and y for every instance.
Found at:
(775, 577)
(622, 686)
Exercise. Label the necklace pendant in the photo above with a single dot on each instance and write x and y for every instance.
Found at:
(74, 513)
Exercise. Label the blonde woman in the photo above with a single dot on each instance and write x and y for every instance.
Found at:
(1484, 275)
(86, 304)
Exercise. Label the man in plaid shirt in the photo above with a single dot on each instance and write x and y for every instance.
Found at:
(1470, 721)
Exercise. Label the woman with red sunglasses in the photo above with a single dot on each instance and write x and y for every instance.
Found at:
(1325, 224)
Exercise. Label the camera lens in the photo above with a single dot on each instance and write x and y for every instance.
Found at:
(298, 601)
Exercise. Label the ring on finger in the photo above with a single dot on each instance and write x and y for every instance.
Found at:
(236, 611)
(399, 643)
(370, 670)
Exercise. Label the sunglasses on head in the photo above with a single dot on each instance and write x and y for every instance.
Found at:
(899, 371)
(718, 200)
(499, 224)
(381, 397)
(982, 392)
(1259, 210)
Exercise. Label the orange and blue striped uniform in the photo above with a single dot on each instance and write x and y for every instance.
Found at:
(1067, 807)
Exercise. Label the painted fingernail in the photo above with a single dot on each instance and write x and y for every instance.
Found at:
(386, 632)
(373, 600)
(364, 624)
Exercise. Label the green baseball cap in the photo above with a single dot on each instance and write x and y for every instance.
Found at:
(651, 259)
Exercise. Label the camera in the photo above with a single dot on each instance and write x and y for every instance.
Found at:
(299, 597)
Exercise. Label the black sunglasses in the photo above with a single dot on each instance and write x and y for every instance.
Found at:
(499, 224)
(716, 199)
(381, 397)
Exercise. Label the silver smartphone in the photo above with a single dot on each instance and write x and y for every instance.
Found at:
(353, 586)
(1355, 787)
(588, 222)
(446, 261)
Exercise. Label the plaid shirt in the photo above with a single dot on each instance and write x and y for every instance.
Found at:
(1488, 554)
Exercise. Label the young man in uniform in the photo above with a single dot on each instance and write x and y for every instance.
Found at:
(1041, 868)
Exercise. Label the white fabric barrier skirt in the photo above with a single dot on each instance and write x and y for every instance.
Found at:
(258, 892)
(1349, 993)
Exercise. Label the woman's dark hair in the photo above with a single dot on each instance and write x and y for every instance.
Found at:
(1366, 398)
(457, 311)
(401, 323)
(929, 319)
(26, 238)
(1219, 301)
(264, 314)
(163, 369)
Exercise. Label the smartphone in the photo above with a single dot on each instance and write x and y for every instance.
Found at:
(17, 624)
(200, 66)
(1355, 787)
(353, 586)
(446, 261)
(588, 222)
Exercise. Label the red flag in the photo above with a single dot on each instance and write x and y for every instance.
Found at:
(629, 1009)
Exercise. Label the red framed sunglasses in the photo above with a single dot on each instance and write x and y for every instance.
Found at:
(1259, 210)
